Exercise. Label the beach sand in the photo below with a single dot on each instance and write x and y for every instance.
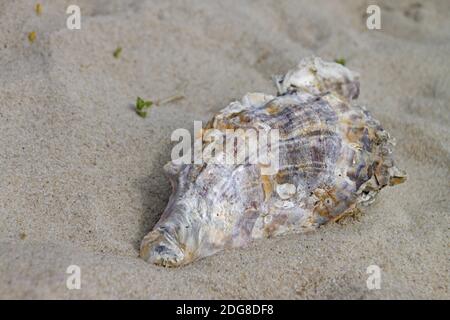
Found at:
(81, 178)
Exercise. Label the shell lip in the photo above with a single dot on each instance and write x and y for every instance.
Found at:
(160, 248)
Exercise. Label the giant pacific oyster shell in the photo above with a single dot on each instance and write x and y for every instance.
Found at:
(333, 156)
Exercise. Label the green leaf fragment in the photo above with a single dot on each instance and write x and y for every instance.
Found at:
(341, 61)
(142, 114)
(117, 52)
(141, 106)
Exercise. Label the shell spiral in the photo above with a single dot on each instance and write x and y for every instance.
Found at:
(332, 157)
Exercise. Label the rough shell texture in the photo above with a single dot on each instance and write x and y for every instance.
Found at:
(332, 157)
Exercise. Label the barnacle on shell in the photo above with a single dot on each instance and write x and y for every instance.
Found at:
(333, 156)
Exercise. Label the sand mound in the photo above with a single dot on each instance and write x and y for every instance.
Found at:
(81, 177)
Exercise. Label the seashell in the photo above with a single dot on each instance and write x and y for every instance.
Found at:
(333, 156)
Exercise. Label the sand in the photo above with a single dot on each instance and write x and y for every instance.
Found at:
(81, 178)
